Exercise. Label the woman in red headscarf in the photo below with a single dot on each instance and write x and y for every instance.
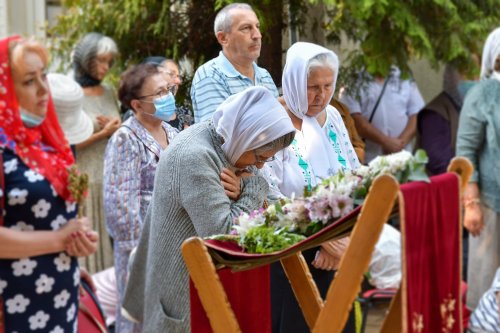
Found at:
(39, 234)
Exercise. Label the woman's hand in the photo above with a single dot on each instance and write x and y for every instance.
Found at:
(231, 183)
(328, 257)
(111, 126)
(473, 216)
(82, 244)
(325, 260)
(102, 120)
(85, 276)
(473, 219)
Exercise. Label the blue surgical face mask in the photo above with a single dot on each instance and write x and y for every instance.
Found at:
(165, 107)
(29, 119)
(464, 86)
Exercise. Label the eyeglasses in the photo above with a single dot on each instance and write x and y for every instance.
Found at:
(260, 159)
(164, 91)
(172, 75)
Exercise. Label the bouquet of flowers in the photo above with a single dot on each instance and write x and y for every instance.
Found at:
(78, 186)
(291, 220)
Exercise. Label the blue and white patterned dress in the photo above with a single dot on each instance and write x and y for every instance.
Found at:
(39, 293)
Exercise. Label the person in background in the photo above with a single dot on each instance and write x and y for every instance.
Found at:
(237, 30)
(40, 236)
(67, 96)
(93, 56)
(437, 122)
(130, 163)
(245, 132)
(385, 113)
(320, 149)
(477, 140)
(182, 118)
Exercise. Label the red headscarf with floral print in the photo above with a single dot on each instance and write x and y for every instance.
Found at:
(43, 148)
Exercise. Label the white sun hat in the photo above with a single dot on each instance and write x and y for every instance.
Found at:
(68, 98)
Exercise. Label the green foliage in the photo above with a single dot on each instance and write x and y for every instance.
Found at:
(264, 239)
(395, 32)
(383, 32)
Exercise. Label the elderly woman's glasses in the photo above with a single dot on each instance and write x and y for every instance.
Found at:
(164, 91)
(172, 75)
(260, 159)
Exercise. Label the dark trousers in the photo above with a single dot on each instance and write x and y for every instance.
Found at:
(286, 314)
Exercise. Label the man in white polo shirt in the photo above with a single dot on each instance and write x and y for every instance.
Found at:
(237, 29)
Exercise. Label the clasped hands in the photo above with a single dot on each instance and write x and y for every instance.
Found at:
(78, 238)
(329, 255)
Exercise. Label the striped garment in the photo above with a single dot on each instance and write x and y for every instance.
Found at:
(217, 79)
(485, 317)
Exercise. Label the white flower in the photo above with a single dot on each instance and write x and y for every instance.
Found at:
(10, 166)
(61, 299)
(70, 206)
(70, 314)
(245, 222)
(44, 284)
(76, 277)
(3, 284)
(32, 176)
(57, 329)
(23, 267)
(39, 320)
(58, 222)
(41, 209)
(17, 304)
(22, 226)
(17, 196)
(62, 262)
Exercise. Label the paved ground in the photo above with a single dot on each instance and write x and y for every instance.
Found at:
(376, 317)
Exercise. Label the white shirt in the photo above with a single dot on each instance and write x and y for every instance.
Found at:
(401, 100)
(287, 177)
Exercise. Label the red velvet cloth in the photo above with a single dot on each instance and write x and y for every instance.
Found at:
(431, 256)
(249, 293)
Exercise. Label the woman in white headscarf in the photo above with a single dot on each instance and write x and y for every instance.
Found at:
(478, 140)
(321, 148)
(192, 197)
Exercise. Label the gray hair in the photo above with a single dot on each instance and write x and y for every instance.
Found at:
(107, 45)
(277, 144)
(329, 60)
(223, 20)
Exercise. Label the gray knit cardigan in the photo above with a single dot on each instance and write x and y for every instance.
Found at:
(188, 200)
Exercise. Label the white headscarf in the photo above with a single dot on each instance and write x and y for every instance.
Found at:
(319, 151)
(295, 75)
(491, 51)
(249, 120)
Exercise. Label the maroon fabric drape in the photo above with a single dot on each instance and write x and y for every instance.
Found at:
(431, 232)
(249, 293)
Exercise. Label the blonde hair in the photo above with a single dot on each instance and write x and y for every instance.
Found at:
(19, 48)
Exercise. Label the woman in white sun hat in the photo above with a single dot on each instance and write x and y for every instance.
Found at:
(68, 98)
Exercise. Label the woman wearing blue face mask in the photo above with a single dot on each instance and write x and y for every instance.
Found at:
(130, 162)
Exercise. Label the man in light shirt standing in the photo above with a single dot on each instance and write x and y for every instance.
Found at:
(237, 29)
(385, 114)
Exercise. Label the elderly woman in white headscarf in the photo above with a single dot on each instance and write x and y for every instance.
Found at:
(320, 149)
(192, 196)
(478, 139)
